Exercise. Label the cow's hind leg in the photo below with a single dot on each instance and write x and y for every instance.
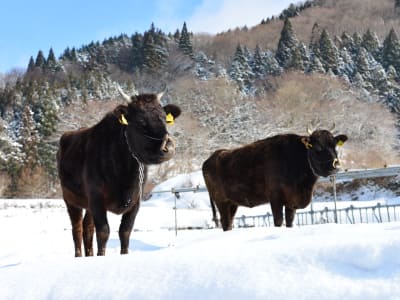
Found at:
(289, 216)
(125, 229)
(99, 215)
(75, 214)
(277, 212)
(227, 211)
(88, 231)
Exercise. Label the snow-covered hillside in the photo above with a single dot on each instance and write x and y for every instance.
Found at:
(310, 262)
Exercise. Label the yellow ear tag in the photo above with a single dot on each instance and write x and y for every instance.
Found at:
(306, 143)
(170, 119)
(340, 143)
(123, 120)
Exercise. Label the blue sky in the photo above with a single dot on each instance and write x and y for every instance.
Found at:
(29, 26)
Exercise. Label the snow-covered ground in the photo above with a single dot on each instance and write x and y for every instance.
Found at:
(327, 261)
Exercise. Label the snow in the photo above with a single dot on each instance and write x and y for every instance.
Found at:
(328, 261)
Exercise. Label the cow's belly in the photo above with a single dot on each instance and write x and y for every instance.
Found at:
(246, 195)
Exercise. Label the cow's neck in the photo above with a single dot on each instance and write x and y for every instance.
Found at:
(141, 170)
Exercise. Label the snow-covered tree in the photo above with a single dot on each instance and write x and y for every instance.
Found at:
(287, 45)
(185, 43)
(328, 52)
(391, 51)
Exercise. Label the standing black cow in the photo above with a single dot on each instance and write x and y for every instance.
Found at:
(281, 170)
(104, 167)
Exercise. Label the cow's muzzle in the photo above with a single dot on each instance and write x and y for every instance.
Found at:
(168, 146)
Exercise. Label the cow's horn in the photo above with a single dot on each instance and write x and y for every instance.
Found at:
(333, 127)
(309, 129)
(160, 94)
(125, 96)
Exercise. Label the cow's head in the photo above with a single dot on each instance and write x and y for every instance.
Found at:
(321, 151)
(145, 121)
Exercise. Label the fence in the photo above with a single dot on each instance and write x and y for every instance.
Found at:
(350, 215)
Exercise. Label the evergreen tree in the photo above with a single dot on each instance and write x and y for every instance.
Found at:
(40, 60)
(316, 65)
(154, 53)
(257, 64)
(314, 40)
(296, 62)
(371, 43)
(346, 65)
(51, 63)
(240, 70)
(177, 36)
(74, 56)
(185, 43)
(272, 66)
(287, 45)
(328, 53)
(29, 138)
(31, 65)
(136, 54)
(391, 51)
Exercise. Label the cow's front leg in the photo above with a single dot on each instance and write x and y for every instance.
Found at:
(289, 216)
(99, 215)
(125, 229)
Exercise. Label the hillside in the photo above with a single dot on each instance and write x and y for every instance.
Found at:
(325, 64)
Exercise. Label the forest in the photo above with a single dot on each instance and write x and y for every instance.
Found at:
(234, 87)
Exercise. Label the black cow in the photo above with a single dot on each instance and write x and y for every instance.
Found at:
(104, 167)
(281, 170)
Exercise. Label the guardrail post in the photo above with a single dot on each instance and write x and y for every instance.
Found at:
(177, 196)
(333, 180)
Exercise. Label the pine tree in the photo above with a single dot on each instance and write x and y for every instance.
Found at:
(136, 60)
(371, 43)
(328, 53)
(240, 70)
(31, 65)
(296, 62)
(177, 36)
(391, 51)
(287, 45)
(272, 66)
(316, 65)
(154, 53)
(40, 60)
(51, 63)
(314, 40)
(29, 138)
(185, 44)
(257, 64)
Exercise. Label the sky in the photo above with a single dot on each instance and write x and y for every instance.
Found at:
(30, 26)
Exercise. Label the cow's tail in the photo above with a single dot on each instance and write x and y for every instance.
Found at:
(214, 212)
(209, 185)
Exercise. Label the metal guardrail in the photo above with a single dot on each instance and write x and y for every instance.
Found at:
(349, 215)
(343, 176)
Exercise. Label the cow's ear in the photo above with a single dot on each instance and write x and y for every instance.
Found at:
(121, 112)
(172, 111)
(306, 142)
(340, 139)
